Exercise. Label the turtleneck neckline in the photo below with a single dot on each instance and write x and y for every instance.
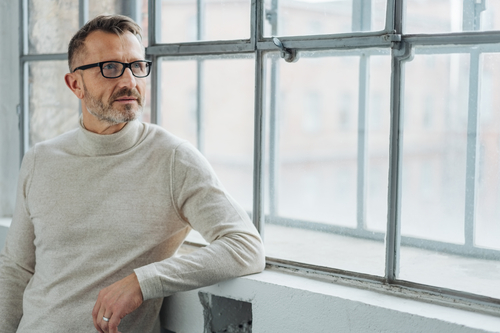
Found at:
(94, 144)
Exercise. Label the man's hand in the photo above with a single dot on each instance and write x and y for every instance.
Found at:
(115, 302)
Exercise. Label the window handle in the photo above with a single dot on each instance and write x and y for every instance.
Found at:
(290, 55)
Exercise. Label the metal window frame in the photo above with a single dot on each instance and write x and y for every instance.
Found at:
(400, 47)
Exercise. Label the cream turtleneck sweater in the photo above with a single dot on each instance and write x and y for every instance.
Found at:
(91, 209)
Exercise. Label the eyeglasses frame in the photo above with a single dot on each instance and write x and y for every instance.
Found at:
(125, 66)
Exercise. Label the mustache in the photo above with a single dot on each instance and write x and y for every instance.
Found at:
(127, 92)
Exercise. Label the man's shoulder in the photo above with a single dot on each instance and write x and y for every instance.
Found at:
(162, 138)
(61, 142)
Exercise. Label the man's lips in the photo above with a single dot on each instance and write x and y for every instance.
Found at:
(126, 100)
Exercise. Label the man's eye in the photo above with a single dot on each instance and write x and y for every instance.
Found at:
(110, 67)
(137, 65)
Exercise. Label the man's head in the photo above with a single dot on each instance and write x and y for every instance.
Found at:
(114, 24)
(109, 99)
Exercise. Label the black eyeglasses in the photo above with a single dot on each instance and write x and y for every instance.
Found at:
(114, 69)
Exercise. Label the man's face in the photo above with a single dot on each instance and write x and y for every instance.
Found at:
(115, 100)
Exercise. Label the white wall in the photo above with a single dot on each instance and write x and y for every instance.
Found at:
(9, 99)
(283, 303)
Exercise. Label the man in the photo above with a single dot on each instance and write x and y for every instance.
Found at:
(101, 210)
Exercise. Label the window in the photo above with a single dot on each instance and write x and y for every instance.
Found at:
(373, 155)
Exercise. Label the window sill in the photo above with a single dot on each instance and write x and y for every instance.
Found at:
(283, 302)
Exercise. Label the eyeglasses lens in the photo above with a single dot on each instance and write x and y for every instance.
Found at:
(115, 69)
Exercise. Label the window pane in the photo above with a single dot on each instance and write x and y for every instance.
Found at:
(487, 228)
(435, 208)
(53, 108)
(220, 20)
(314, 17)
(99, 7)
(435, 144)
(318, 139)
(438, 16)
(226, 108)
(51, 24)
(137, 9)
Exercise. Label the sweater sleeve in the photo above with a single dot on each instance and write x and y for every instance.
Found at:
(17, 259)
(235, 246)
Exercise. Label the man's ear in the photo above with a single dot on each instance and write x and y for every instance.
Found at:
(75, 84)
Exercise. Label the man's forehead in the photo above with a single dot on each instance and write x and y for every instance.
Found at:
(99, 44)
(106, 40)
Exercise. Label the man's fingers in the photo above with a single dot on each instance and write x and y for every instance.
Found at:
(113, 324)
(95, 311)
(115, 302)
(97, 315)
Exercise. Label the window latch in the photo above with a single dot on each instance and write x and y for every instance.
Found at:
(290, 55)
(393, 38)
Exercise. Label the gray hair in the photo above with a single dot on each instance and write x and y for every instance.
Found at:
(117, 24)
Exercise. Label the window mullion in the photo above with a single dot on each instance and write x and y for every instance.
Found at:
(274, 138)
(154, 22)
(154, 34)
(399, 53)
(393, 228)
(259, 151)
(200, 116)
(257, 24)
(83, 12)
(23, 75)
(472, 147)
(273, 191)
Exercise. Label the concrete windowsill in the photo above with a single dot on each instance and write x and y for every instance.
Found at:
(283, 302)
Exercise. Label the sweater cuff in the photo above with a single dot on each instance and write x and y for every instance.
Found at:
(149, 280)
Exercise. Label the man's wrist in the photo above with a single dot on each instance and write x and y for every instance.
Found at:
(149, 281)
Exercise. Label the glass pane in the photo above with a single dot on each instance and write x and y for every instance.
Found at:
(100, 7)
(226, 109)
(137, 9)
(322, 146)
(53, 108)
(487, 228)
(220, 20)
(178, 93)
(435, 144)
(51, 24)
(434, 208)
(438, 16)
(314, 17)
(227, 19)
(378, 143)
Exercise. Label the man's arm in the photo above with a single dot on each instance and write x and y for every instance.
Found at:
(17, 258)
(200, 199)
(235, 246)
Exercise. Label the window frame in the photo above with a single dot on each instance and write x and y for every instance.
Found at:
(400, 47)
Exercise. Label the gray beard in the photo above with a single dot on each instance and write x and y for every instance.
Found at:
(107, 113)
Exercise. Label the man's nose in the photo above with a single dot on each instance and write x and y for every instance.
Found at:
(128, 79)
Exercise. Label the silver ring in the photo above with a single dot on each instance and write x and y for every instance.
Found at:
(105, 319)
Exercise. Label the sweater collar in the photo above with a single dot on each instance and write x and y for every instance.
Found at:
(94, 144)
